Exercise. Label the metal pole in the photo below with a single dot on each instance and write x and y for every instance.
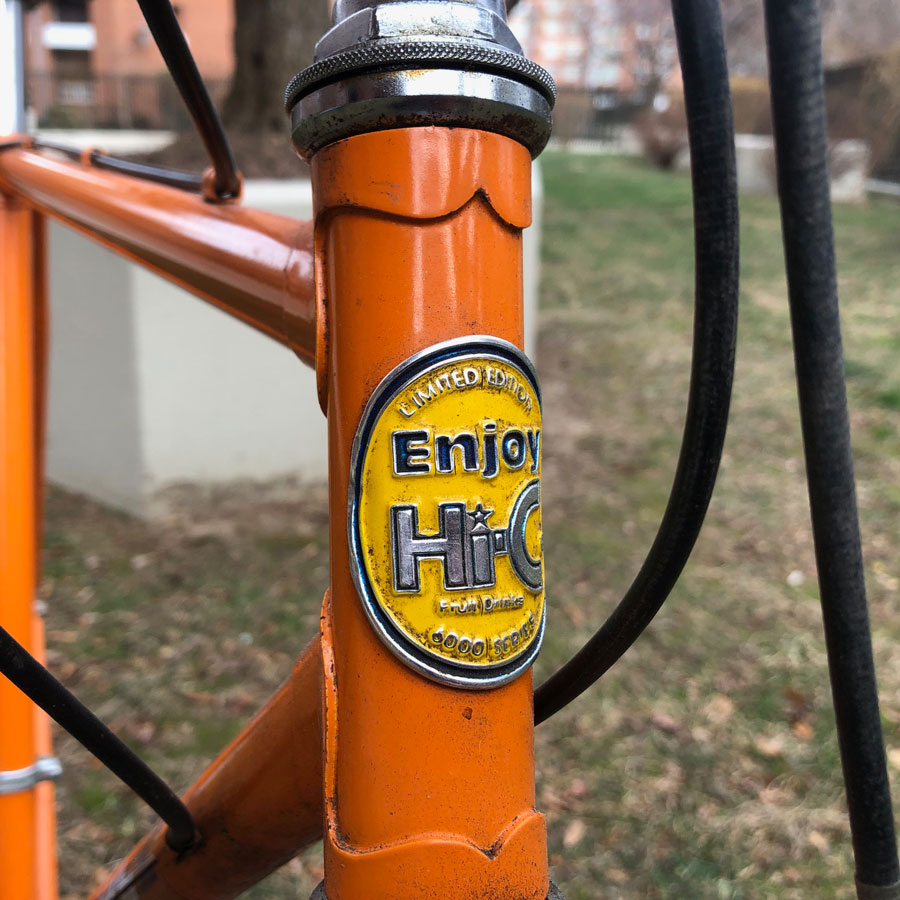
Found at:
(18, 41)
(12, 67)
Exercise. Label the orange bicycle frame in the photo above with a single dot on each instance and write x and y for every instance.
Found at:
(420, 789)
(404, 736)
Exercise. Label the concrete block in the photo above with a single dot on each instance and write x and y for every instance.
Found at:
(848, 163)
(151, 387)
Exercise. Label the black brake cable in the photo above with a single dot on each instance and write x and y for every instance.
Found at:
(186, 181)
(62, 149)
(798, 114)
(27, 674)
(701, 48)
(163, 25)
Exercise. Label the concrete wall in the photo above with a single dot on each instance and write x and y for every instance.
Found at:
(150, 386)
(848, 163)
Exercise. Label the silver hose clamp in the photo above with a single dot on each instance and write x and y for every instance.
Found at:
(407, 63)
(45, 768)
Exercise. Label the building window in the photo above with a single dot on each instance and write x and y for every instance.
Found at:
(552, 28)
(552, 49)
(70, 10)
(604, 76)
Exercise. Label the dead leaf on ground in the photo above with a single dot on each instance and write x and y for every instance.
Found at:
(665, 723)
(574, 833)
(819, 841)
(551, 801)
(769, 746)
(719, 709)
(804, 731)
(578, 789)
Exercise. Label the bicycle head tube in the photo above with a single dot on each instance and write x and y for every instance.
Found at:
(420, 120)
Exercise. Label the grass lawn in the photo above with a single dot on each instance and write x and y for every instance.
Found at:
(704, 765)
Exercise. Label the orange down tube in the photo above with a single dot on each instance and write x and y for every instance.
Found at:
(17, 539)
(255, 807)
(429, 789)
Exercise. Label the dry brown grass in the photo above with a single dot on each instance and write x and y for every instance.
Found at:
(704, 765)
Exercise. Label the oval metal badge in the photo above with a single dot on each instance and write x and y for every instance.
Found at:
(445, 512)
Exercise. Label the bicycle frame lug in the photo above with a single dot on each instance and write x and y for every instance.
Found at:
(415, 63)
(46, 768)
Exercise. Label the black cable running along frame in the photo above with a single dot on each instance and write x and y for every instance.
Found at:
(163, 25)
(186, 181)
(701, 45)
(36, 682)
(798, 115)
(793, 31)
(226, 183)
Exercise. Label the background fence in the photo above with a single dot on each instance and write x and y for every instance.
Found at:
(111, 101)
(863, 102)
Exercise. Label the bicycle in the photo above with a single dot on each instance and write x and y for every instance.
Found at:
(435, 441)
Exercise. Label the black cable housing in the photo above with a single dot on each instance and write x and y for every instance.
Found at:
(701, 47)
(27, 674)
(163, 25)
(53, 147)
(798, 111)
(185, 181)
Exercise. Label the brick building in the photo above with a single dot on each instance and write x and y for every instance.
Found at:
(606, 61)
(94, 62)
(595, 45)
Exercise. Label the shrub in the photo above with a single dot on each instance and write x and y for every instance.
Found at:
(880, 105)
(752, 107)
(662, 133)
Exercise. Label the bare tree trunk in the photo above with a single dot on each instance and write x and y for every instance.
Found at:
(273, 40)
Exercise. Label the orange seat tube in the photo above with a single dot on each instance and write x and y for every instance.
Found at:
(429, 788)
(19, 731)
(46, 875)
